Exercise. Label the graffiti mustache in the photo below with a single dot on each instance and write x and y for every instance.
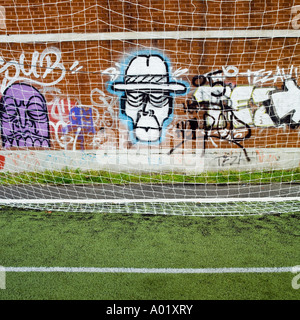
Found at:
(147, 119)
(147, 127)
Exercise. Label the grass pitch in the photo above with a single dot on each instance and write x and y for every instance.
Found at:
(78, 176)
(43, 239)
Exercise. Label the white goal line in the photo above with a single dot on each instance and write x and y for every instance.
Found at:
(152, 270)
(104, 36)
(153, 200)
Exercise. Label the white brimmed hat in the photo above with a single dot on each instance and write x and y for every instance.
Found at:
(148, 72)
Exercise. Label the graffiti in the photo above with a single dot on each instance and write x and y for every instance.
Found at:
(262, 158)
(71, 160)
(229, 159)
(186, 129)
(59, 109)
(252, 104)
(286, 103)
(81, 122)
(2, 162)
(224, 129)
(105, 136)
(29, 161)
(37, 160)
(73, 123)
(24, 117)
(83, 118)
(235, 158)
(213, 98)
(70, 122)
(179, 72)
(48, 111)
(263, 76)
(106, 104)
(15, 70)
(228, 111)
(141, 108)
(146, 97)
(113, 72)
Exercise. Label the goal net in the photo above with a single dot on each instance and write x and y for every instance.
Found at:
(188, 107)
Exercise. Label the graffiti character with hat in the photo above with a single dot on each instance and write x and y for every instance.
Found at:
(146, 97)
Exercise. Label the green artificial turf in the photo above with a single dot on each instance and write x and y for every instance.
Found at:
(43, 239)
(78, 176)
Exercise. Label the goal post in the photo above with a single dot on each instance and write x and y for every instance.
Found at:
(187, 107)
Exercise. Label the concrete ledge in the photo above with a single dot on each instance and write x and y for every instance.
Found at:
(138, 161)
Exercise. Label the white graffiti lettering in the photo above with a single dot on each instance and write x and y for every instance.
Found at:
(40, 67)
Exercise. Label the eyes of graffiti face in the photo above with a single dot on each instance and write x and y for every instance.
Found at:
(10, 113)
(34, 110)
(36, 113)
(137, 99)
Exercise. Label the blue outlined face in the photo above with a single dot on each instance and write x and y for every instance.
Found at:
(147, 111)
(147, 96)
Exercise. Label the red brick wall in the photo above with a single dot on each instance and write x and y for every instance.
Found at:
(199, 56)
(103, 16)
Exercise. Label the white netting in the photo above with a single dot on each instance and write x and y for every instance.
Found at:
(173, 107)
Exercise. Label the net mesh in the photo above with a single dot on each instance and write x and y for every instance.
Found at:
(172, 107)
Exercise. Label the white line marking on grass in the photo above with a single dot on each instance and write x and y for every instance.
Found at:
(148, 270)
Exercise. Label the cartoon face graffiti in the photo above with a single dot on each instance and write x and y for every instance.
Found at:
(147, 97)
(24, 117)
(148, 111)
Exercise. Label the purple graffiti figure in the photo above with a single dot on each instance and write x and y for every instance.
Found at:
(24, 117)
